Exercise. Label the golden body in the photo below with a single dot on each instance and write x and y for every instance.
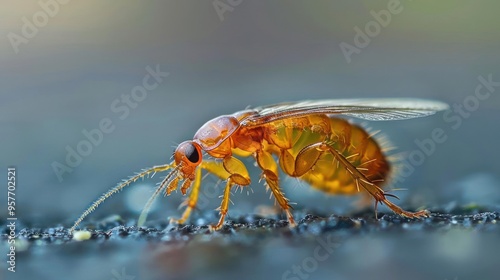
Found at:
(303, 139)
(320, 169)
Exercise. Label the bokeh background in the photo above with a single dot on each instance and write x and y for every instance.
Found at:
(64, 78)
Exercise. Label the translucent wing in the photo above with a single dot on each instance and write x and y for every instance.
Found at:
(379, 109)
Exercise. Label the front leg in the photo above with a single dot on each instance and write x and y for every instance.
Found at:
(191, 201)
(238, 175)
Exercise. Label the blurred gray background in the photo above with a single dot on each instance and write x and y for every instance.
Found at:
(66, 76)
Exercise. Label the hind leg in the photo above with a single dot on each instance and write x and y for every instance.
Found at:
(377, 192)
(308, 156)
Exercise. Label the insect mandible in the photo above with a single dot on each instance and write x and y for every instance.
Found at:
(307, 140)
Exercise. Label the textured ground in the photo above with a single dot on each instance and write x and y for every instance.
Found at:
(244, 227)
(251, 246)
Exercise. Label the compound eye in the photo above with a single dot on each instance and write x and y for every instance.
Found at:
(192, 154)
(188, 152)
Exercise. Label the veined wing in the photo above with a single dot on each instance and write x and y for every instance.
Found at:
(377, 109)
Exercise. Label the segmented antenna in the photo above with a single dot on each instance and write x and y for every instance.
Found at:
(142, 174)
(168, 179)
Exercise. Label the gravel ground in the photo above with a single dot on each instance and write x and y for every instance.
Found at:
(254, 247)
(242, 227)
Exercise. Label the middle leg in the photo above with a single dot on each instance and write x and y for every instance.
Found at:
(270, 174)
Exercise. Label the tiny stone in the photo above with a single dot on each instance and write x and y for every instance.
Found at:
(81, 235)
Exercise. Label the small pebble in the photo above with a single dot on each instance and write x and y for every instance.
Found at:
(81, 235)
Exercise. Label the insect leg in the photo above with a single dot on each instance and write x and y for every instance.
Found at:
(192, 199)
(270, 171)
(214, 167)
(362, 180)
(272, 182)
(224, 205)
(238, 175)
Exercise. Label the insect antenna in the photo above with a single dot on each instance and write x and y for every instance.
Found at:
(119, 187)
(166, 181)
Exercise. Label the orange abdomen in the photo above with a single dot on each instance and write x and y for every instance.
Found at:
(350, 140)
